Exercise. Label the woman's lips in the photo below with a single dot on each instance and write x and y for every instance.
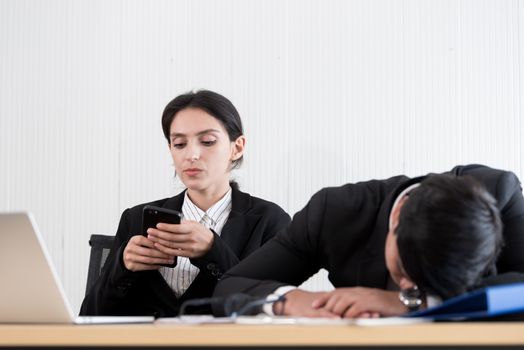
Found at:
(192, 171)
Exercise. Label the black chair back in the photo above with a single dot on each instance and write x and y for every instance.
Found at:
(100, 246)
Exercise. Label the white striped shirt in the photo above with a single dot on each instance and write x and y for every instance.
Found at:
(183, 274)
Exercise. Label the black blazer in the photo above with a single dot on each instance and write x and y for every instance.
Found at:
(343, 230)
(118, 291)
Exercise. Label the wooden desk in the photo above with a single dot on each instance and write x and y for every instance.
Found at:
(494, 335)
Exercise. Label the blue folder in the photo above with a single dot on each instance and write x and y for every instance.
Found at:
(487, 302)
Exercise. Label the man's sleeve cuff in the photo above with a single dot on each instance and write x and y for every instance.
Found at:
(279, 292)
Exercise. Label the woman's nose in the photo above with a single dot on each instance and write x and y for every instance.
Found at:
(193, 153)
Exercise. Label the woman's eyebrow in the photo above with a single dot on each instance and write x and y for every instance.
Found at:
(178, 134)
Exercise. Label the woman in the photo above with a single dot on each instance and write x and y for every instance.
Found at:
(222, 225)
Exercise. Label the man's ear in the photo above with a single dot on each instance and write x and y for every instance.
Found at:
(395, 213)
(238, 150)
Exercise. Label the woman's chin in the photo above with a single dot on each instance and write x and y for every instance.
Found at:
(195, 185)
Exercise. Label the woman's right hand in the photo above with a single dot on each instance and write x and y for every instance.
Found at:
(140, 254)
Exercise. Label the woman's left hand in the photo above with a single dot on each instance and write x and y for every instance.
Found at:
(361, 302)
(189, 239)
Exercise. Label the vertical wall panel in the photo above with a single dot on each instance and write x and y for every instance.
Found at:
(62, 151)
(6, 36)
(329, 92)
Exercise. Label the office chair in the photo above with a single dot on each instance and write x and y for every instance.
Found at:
(100, 246)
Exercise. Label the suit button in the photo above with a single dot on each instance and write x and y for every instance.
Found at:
(211, 266)
(127, 282)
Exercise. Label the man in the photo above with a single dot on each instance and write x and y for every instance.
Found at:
(435, 236)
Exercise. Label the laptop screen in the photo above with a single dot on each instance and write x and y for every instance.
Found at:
(31, 291)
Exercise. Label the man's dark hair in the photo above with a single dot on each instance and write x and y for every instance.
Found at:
(215, 104)
(449, 234)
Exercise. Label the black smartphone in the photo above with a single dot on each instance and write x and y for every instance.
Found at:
(152, 215)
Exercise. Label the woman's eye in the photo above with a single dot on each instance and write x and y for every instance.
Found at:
(208, 142)
(178, 145)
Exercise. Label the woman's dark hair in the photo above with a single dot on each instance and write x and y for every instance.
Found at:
(215, 104)
(449, 234)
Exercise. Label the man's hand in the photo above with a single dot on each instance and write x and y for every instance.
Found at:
(360, 302)
(189, 238)
(299, 303)
(140, 254)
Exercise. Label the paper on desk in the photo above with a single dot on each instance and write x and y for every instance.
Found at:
(311, 321)
(284, 320)
(389, 321)
(193, 319)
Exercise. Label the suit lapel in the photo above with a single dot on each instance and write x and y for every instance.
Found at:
(237, 231)
(239, 226)
(175, 202)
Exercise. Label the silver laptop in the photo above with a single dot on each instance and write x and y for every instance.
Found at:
(30, 290)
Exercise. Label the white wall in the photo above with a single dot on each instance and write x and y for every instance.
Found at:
(330, 92)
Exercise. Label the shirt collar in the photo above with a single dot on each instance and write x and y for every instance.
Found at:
(399, 197)
(192, 212)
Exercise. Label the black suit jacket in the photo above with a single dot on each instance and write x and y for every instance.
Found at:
(118, 291)
(343, 230)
